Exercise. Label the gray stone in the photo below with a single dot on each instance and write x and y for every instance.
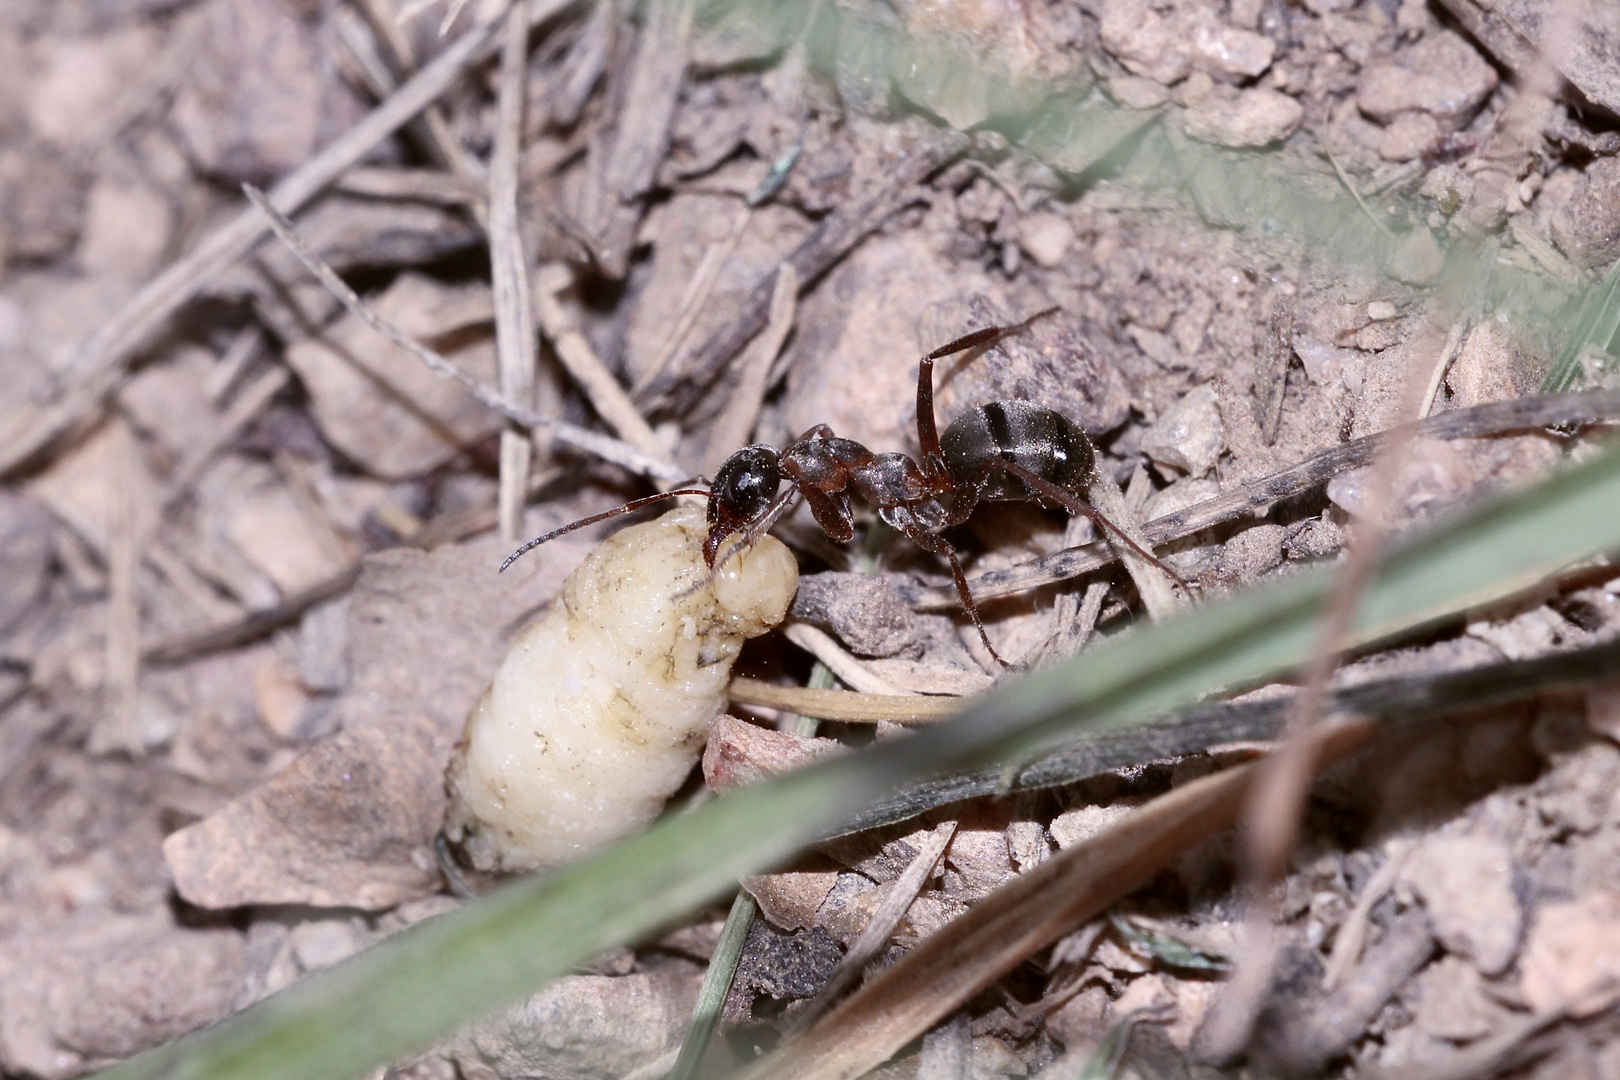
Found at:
(1511, 29)
(583, 1027)
(1190, 435)
(1466, 883)
(1258, 116)
(1587, 225)
(1441, 75)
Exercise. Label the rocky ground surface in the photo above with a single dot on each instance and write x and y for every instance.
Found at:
(247, 596)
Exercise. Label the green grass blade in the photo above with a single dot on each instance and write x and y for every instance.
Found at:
(1598, 324)
(421, 985)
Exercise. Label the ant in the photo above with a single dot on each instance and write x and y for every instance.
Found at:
(1004, 451)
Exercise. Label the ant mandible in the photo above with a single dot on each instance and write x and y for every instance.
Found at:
(1003, 451)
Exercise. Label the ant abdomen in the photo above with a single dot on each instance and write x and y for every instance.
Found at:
(981, 443)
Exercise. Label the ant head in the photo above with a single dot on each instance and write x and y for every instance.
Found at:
(744, 486)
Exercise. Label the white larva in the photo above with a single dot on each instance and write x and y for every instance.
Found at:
(599, 710)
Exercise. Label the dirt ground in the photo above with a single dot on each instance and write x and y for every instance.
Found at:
(247, 596)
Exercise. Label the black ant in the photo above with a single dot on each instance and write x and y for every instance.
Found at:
(1005, 451)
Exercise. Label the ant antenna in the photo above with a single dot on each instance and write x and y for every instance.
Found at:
(632, 505)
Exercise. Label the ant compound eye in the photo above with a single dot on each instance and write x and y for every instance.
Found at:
(745, 484)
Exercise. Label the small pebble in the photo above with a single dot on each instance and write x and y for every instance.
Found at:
(1147, 44)
(1408, 136)
(1254, 117)
(1046, 238)
(1190, 435)
(1440, 75)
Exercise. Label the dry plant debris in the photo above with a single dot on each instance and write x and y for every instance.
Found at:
(247, 597)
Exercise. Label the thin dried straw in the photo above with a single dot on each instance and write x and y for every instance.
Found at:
(846, 706)
(607, 397)
(515, 349)
(604, 447)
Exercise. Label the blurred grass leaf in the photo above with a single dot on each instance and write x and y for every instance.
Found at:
(1597, 325)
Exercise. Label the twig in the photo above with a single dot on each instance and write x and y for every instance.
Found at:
(1276, 803)
(1245, 500)
(1344, 178)
(1352, 935)
(850, 670)
(186, 646)
(441, 143)
(736, 423)
(897, 900)
(1414, 699)
(1074, 618)
(125, 542)
(695, 298)
(641, 135)
(509, 272)
(1437, 373)
(1508, 1049)
(98, 364)
(241, 352)
(608, 449)
(422, 185)
(248, 404)
(847, 706)
(607, 397)
(1156, 587)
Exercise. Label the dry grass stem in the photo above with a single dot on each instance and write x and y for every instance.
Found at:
(1437, 372)
(835, 236)
(1509, 1049)
(242, 412)
(1275, 811)
(98, 364)
(123, 656)
(736, 423)
(239, 354)
(604, 447)
(696, 298)
(440, 143)
(1352, 934)
(641, 135)
(972, 951)
(1157, 588)
(178, 648)
(419, 185)
(607, 397)
(897, 899)
(509, 270)
(848, 706)
(1349, 185)
(849, 670)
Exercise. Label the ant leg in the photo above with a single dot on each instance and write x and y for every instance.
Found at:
(988, 336)
(1075, 506)
(927, 429)
(933, 462)
(633, 504)
(940, 546)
